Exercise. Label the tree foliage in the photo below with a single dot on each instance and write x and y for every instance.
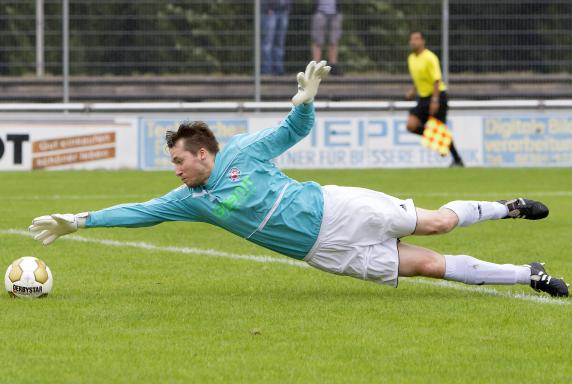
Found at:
(129, 37)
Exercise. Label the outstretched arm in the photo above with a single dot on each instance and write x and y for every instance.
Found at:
(170, 207)
(272, 142)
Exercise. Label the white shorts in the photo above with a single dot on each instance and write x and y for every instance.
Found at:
(359, 233)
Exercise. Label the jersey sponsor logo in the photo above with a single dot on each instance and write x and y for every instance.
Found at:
(236, 199)
(234, 174)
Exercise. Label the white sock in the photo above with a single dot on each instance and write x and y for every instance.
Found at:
(468, 270)
(471, 212)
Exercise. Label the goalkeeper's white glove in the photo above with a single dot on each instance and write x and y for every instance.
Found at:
(309, 81)
(48, 228)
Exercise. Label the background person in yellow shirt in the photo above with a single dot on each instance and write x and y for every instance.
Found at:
(429, 87)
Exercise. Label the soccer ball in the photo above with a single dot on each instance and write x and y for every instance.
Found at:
(28, 277)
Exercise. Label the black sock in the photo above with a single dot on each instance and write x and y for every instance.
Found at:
(455, 154)
(419, 130)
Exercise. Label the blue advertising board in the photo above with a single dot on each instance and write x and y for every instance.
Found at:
(527, 141)
(153, 153)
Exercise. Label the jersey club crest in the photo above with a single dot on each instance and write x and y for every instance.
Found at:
(234, 174)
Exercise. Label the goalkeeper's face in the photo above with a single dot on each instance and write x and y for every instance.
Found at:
(192, 169)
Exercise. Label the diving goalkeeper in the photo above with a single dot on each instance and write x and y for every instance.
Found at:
(343, 230)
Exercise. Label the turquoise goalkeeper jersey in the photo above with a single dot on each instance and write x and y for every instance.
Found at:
(245, 194)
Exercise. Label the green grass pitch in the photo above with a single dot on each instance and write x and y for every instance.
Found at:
(125, 314)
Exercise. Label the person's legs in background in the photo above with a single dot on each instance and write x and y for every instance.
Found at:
(419, 115)
(442, 115)
(414, 124)
(334, 35)
(280, 40)
(268, 35)
(319, 22)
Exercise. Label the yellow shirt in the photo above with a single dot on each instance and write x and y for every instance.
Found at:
(425, 70)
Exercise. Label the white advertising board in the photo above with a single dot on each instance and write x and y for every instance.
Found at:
(501, 138)
(68, 144)
(373, 141)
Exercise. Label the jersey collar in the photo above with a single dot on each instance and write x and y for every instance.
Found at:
(215, 173)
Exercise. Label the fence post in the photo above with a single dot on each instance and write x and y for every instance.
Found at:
(65, 51)
(40, 38)
(257, 50)
(445, 39)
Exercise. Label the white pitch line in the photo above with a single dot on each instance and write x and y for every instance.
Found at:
(75, 197)
(295, 263)
(184, 250)
(495, 195)
(490, 291)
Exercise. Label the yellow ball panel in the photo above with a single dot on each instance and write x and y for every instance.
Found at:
(41, 273)
(16, 272)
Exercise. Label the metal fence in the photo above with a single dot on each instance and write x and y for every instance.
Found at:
(142, 39)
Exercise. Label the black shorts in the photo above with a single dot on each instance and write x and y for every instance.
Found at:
(421, 110)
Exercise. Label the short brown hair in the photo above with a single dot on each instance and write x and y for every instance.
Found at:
(196, 135)
(419, 32)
